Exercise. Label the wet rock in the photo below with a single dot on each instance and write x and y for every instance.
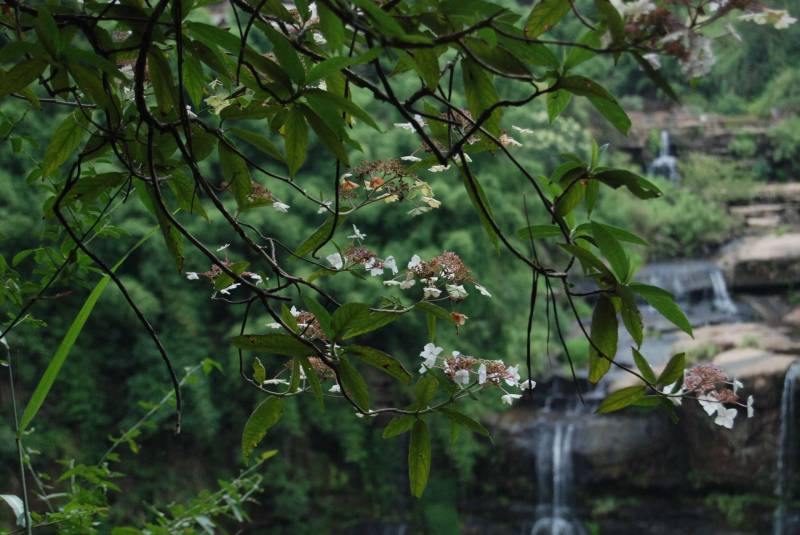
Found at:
(762, 262)
(712, 339)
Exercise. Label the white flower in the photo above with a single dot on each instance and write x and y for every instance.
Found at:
(430, 201)
(710, 404)
(527, 384)
(190, 113)
(508, 141)
(256, 277)
(390, 263)
(392, 283)
(357, 234)
(509, 399)
(439, 168)
(636, 9)
(725, 417)
(319, 38)
(654, 60)
(737, 384)
(779, 18)
(429, 354)
(227, 291)
(335, 260)
(414, 262)
(223, 247)
(512, 379)
(675, 399)
(404, 126)
(410, 158)
(701, 57)
(346, 176)
(461, 378)
(456, 291)
(325, 206)
(335, 389)
(482, 290)
(192, 275)
(323, 85)
(481, 373)
(431, 292)
(274, 325)
(294, 312)
(276, 382)
(420, 119)
(750, 410)
(280, 207)
(522, 130)
(406, 284)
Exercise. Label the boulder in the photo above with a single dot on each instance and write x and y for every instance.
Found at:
(725, 336)
(762, 262)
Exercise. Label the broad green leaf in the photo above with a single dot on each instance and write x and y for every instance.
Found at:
(425, 390)
(466, 421)
(639, 186)
(325, 99)
(328, 138)
(295, 140)
(587, 259)
(673, 370)
(481, 94)
(172, 236)
(353, 319)
(427, 62)
(66, 139)
(557, 102)
(47, 31)
(88, 188)
(258, 141)
(571, 198)
(380, 360)
(319, 236)
(481, 205)
(631, 316)
(435, 310)
(579, 54)
(664, 302)
(60, 356)
(398, 425)
(21, 75)
(331, 27)
(237, 175)
(604, 337)
(621, 398)
(613, 112)
(613, 251)
(276, 343)
(353, 384)
(259, 373)
(266, 415)
(193, 78)
(644, 366)
(287, 56)
(619, 233)
(187, 193)
(419, 458)
(544, 15)
(162, 81)
(313, 378)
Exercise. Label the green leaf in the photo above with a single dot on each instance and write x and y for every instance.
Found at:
(613, 112)
(327, 136)
(277, 343)
(287, 56)
(172, 236)
(600, 98)
(266, 415)
(353, 384)
(557, 102)
(398, 425)
(353, 319)
(187, 193)
(478, 198)
(320, 314)
(604, 335)
(236, 174)
(60, 356)
(162, 81)
(319, 236)
(419, 458)
(587, 259)
(325, 99)
(425, 390)
(579, 54)
(613, 251)
(673, 370)
(258, 141)
(313, 379)
(295, 139)
(481, 94)
(47, 32)
(380, 360)
(644, 366)
(435, 310)
(193, 78)
(621, 399)
(427, 62)
(631, 316)
(21, 75)
(537, 232)
(88, 188)
(331, 27)
(619, 233)
(66, 140)
(466, 421)
(639, 186)
(259, 373)
(544, 16)
(664, 302)
(571, 198)
(656, 77)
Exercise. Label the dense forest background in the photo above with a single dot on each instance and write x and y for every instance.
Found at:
(320, 477)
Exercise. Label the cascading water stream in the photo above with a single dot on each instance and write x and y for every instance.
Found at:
(554, 481)
(786, 521)
(665, 164)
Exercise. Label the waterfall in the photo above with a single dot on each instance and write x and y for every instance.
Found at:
(787, 521)
(666, 164)
(554, 481)
(722, 299)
